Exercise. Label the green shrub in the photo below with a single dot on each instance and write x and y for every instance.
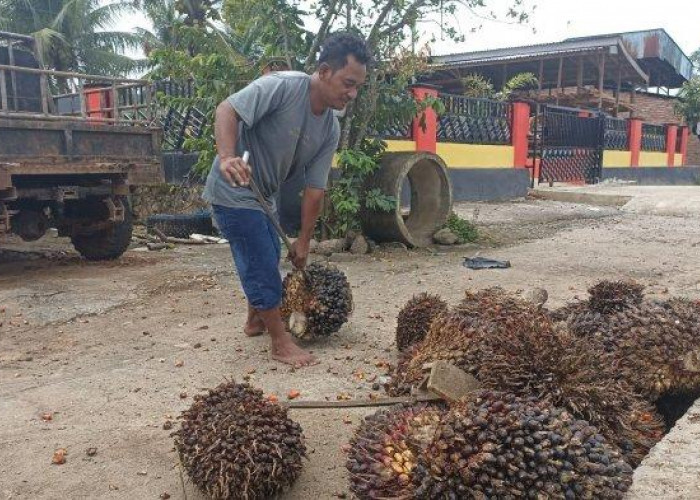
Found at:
(464, 230)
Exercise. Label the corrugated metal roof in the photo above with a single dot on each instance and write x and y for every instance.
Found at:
(652, 52)
(526, 51)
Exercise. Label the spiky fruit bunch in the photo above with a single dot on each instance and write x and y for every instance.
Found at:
(236, 445)
(510, 345)
(452, 334)
(502, 446)
(415, 318)
(383, 452)
(654, 344)
(608, 296)
(317, 301)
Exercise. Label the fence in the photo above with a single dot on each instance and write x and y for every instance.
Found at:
(616, 135)
(653, 137)
(474, 121)
(87, 97)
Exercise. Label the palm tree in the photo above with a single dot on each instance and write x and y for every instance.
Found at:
(74, 35)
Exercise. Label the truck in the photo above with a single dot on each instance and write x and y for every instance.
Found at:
(72, 148)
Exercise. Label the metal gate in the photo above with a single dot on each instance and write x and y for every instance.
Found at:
(568, 145)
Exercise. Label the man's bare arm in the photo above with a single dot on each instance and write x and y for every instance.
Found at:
(234, 170)
(311, 205)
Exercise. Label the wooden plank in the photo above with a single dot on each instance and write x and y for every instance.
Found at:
(44, 94)
(3, 90)
(13, 75)
(618, 86)
(358, 403)
(559, 75)
(81, 97)
(69, 74)
(579, 75)
(601, 77)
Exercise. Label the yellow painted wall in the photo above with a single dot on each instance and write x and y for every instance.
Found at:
(398, 146)
(475, 155)
(653, 159)
(678, 160)
(616, 158)
(393, 146)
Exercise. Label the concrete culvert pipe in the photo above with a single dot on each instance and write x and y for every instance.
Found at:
(430, 199)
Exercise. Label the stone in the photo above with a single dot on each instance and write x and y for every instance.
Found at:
(445, 237)
(329, 247)
(394, 246)
(359, 245)
(313, 245)
(537, 296)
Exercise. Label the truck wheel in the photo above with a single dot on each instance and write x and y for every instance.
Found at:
(109, 243)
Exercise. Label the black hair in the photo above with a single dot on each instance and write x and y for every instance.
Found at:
(337, 47)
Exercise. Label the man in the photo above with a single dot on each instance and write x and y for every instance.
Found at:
(285, 121)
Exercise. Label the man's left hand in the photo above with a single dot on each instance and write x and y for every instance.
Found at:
(299, 253)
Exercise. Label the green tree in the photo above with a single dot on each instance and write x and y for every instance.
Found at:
(687, 105)
(74, 35)
(263, 28)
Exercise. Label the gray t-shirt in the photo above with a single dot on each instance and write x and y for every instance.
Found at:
(282, 135)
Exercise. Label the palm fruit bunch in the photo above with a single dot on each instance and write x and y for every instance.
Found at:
(608, 296)
(503, 446)
(415, 318)
(511, 345)
(654, 344)
(384, 450)
(317, 301)
(234, 444)
(452, 334)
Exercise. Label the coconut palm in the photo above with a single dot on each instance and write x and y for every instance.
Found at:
(74, 35)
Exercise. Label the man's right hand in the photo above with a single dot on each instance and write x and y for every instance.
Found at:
(235, 170)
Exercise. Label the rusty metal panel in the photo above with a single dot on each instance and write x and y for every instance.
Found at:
(658, 45)
(107, 143)
(146, 175)
(20, 141)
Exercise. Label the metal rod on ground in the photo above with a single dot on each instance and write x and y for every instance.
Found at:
(266, 207)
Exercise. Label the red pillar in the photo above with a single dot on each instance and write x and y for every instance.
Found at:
(425, 125)
(685, 131)
(635, 136)
(671, 136)
(520, 129)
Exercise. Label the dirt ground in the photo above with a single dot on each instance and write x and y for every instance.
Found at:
(114, 350)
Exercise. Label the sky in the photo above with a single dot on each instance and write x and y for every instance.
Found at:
(555, 20)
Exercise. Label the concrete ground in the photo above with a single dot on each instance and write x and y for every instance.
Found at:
(678, 201)
(113, 350)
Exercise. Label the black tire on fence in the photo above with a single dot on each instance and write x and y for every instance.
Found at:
(181, 226)
(107, 244)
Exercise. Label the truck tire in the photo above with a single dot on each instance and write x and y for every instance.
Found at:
(107, 244)
(181, 226)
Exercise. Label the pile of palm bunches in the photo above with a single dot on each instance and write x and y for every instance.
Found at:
(384, 451)
(509, 344)
(655, 345)
(415, 318)
(503, 446)
(234, 444)
(318, 299)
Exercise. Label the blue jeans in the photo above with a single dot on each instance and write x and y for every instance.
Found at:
(256, 251)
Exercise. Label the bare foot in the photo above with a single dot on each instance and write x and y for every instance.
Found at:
(254, 328)
(286, 351)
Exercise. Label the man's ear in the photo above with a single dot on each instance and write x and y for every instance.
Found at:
(324, 71)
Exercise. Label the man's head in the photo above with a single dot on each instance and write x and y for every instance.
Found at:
(342, 68)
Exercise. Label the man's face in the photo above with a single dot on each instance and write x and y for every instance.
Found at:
(341, 86)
